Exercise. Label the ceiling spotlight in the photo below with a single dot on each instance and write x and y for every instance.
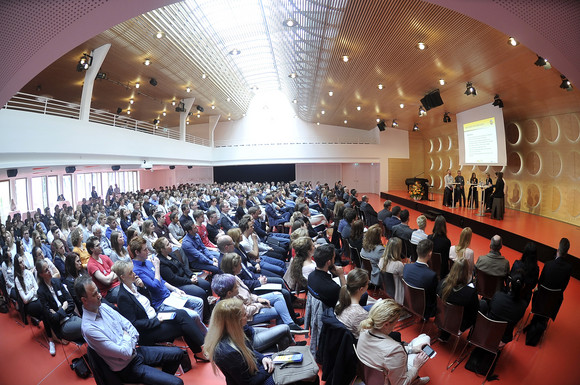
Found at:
(173, 102)
(422, 111)
(345, 58)
(294, 101)
(322, 112)
(203, 76)
(188, 89)
(378, 120)
(540, 62)
(119, 110)
(421, 46)
(101, 75)
(442, 82)
(290, 22)
(212, 107)
(497, 102)
(394, 124)
(84, 62)
(415, 127)
(131, 101)
(513, 42)
(147, 62)
(137, 85)
(159, 35)
(153, 82)
(164, 113)
(566, 85)
(470, 89)
(128, 111)
(187, 121)
(292, 75)
(446, 118)
(180, 107)
(380, 86)
(199, 108)
(318, 123)
(330, 93)
(155, 121)
(358, 108)
(402, 105)
(235, 52)
(345, 121)
(228, 99)
(198, 115)
(229, 118)
(244, 115)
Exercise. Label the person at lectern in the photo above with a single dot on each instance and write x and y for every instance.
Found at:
(473, 196)
(448, 192)
(460, 189)
(488, 191)
(497, 206)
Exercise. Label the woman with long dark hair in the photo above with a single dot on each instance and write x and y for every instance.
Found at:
(373, 249)
(528, 265)
(348, 310)
(441, 244)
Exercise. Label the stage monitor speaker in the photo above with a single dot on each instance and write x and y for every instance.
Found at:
(172, 167)
(115, 168)
(12, 172)
(70, 169)
(432, 100)
(381, 125)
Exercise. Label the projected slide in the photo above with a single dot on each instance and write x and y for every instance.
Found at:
(480, 141)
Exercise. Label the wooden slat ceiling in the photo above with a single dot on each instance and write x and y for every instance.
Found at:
(380, 38)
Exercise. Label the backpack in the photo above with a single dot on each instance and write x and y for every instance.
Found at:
(79, 365)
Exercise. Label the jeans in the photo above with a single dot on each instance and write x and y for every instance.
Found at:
(278, 311)
(265, 338)
(202, 290)
(193, 307)
(141, 369)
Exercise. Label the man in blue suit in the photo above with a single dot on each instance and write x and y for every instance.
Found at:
(200, 258)
(275, 218)
(419, 274)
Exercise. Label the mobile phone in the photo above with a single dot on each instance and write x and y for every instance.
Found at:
(430, 352)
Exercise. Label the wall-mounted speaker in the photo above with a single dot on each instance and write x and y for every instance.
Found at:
(432, 100)
(172, 167)
(70, 169)
(12, 172)
(190, 167)
(381, 125)
(115, 168)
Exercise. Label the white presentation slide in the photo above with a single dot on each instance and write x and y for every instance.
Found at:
(480, 141)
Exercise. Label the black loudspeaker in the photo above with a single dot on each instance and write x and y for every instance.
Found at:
(70, 169)
(432, 100)
(381, 125)
(190, 167)
(172, 167)
(115, 168)
(12, 172)
(153, 82)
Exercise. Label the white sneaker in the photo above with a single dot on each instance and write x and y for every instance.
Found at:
(51, 348)
(423, 381)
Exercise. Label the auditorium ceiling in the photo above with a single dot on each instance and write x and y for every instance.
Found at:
(226, 51)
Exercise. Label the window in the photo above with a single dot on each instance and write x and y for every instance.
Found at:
(67, 187)
(4, 199)
(39, 193)
(121, 180)
(21, 187)
(81, 187)
(52, 189)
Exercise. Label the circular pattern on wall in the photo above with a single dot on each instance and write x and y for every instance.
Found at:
(571, 127)
(432, 164)
(440, 183)
(440, 161)
(430, 146)
(531, 131)
(575, 164)
(550, 128)
(512, 133)
(553, 163)
(556, 198)
(514, 163)
(450, 163)
(533, 163)
(450, 143)
(482, 168)
(515, 193)
(533, 197)
(576, 203)
(440, 145)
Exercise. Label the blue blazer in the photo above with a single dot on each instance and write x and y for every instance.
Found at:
(420, 275)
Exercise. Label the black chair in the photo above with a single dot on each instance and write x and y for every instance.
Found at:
(414, 302)
(448, 318)
(388, 282)
(411, 250)
(366, 264)
(487, 285)
(102, 374)
(355, 256)
(435, 263)
(545, 303)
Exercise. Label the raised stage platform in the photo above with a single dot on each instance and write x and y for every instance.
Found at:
(516, 229)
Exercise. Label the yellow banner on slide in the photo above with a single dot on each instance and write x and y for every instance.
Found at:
(479, 124)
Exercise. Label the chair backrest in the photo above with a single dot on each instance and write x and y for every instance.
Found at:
(448, 317)
(370, 374)
(345, 246)
(435, 263)
(366, 264)
(487, 333)
(546, 302)
(388, 281)
(101, 372)
(485, 284)
(355, 256)
(414, 299)
(411, 250)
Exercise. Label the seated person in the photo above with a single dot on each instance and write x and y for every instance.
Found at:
(213, 226)
(456, 290)
(302, 264)
(494, 263)
(114, 339)
(175, 228)
(510, 306)
(348, 310)
(228, 348)
(134, 304)
(391, 263)
(259, 309)
(393, 220)
(402, 230)
(419, 274)
(280, 242)
(226, 221)
(371, 216)
(419, 234)
(262, 264)
(376, 348)
(385, 212)
(274, 217)
(251, 242)
(200, 258)
(462, 250)
(99, 268)
(320, 282)
(373, 249)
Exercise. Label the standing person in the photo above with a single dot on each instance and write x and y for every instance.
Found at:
(114, 339)
(498, 204)
(472, 197)
(460, 189)
(488, 192)
(448, 192)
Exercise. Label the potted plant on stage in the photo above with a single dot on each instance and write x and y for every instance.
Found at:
(416, 191)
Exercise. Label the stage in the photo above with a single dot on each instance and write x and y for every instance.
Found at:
(516, 229)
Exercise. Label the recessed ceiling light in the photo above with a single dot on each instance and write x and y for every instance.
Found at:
(131, 101)
(345, 58)
(147, 62)
(212, 107)
(380, 86)
(402, 105)
(173, 102)
(188, 89)
(345, 121)
(358, 108)
(415, 127)
(292, 75)
(322, 112)
(254, 88)
(318, 123)
(203, 76)
(442, 82)
(290, 22)
(198, 115)
(229, 118)
(294, 101)
(330, 93)
(422, 111)
(235, 52)
(128, 112)
(137, 85)
(513, 42)
(244, 115)
(159, 35)
(394, 124)
(228, 99)
(164, 113)
(187, 121)
(421, 45)
(378, 120)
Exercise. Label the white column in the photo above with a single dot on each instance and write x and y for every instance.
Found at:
(188, 103)
(98, 55)
(213, 121)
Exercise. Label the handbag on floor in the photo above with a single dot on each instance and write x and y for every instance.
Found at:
(305, 372)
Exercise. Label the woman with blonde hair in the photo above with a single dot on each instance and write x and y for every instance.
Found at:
(228, 348)
(149, 235)
(391, 263)
(348, 310)
(377, 349)
(462, 250)
(373, 249)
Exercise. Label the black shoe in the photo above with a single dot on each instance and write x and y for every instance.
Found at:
(200, 359)
(299, 321)
(300, 343)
